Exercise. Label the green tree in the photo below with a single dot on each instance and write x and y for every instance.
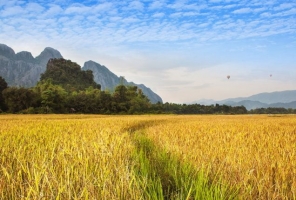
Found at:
(68, 75)
(18, 99)
(53, 97)
(138, 102)
(3, 86)
(120, 99)
(105, 102)
(87, 101)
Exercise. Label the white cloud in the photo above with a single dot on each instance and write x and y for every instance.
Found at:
(77, 9)
(266, 14)
(156, 5)
(229, 6)
(54, 10)
(115, 18)
(34, 7)
(176, 14)
(11, 11)
(284, 6)
(129, 20)
(215, 1)
(259, 9)
(242, 11)
(286, 12)
(104, 7)
(136, 5)
(190, 14)
(202, 25)
(158, 15)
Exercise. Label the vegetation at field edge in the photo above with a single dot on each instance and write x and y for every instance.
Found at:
(162, 176)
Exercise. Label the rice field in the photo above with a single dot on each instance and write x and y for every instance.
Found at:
(147, 157)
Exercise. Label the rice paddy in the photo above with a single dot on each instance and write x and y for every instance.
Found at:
(147, 157)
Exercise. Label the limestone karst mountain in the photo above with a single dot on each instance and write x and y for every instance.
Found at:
(22, 69)
(108, 80)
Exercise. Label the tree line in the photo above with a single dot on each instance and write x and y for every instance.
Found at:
(65, 88)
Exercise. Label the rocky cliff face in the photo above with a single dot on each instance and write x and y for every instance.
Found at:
(109, 80)
(22, 69)
(102, 75)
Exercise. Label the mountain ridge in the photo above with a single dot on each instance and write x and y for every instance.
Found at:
(108, 79)
(22, 69)
(283, 99)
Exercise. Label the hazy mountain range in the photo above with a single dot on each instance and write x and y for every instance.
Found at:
(279, 99)
(22, 69)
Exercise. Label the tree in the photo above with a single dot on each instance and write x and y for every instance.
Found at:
(139, 103)
(53, 97)
(68, 75)
(3, 86)
(87, 101)
(120, 99)
(105, 102)
(18, 99)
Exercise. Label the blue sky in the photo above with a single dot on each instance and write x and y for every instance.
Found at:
(183, 50)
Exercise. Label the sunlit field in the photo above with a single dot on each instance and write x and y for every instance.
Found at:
(64, 157)
(147, 157)
(256, 153)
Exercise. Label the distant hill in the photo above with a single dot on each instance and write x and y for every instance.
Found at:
(269, 98)
(22, 69)
(278, 99)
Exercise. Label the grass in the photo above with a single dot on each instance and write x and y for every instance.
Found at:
(162, 176)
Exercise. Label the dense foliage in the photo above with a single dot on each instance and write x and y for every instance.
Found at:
(271, 110)
(65, 88)
(68, 75)
(3, 85)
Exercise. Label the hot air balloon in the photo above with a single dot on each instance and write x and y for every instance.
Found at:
(228, 77)
(270, 75)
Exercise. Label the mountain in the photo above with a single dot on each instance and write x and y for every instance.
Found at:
(278, 99)
(248, 104)
(269, 98)
(108, 80)
(22, 69)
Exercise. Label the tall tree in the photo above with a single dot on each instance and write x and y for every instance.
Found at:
(53, 97)
(120, 99)
(18, 99)
(87, 101)
(3, 86)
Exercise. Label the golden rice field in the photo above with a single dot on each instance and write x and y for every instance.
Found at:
(93, 156)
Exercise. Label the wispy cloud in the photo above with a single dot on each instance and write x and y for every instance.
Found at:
(136, 5)
(155, 27)
(158, 14)
(99, 16)
(285, 6)
(242, 11)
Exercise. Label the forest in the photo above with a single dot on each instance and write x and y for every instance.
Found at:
(65, 88)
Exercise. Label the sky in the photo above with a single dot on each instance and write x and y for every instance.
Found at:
(182, 49)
